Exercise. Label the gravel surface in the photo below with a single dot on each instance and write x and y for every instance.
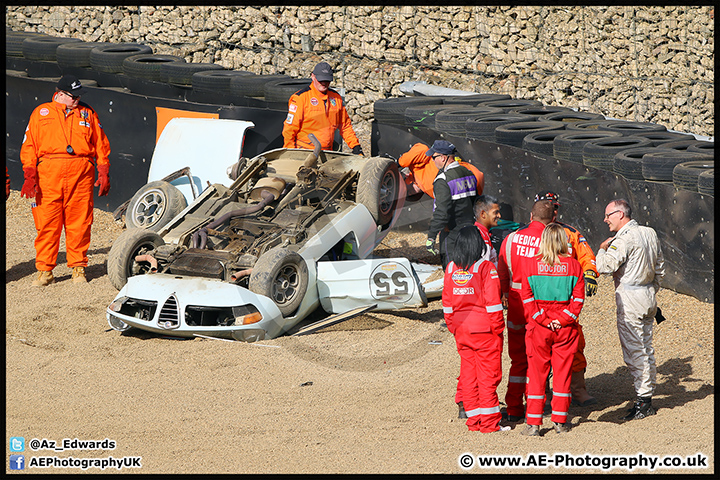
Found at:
(371, 395)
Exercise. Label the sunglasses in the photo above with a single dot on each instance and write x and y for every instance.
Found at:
(74, 97)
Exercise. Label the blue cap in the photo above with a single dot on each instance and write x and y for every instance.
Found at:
(443, 147)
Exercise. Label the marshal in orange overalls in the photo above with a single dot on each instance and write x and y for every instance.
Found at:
(64, 181)
(310, 111)
(423, 171)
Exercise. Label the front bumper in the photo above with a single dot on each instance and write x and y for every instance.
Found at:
(183, 306)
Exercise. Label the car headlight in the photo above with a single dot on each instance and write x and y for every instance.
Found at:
(117, 304)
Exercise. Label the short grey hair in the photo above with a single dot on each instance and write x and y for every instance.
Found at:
(623, 205)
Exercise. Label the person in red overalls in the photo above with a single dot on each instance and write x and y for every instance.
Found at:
(517, 249)
(487, 214)
(318, 109)
(473, 314)
(553, 292)
(582, 252)
(63, 143)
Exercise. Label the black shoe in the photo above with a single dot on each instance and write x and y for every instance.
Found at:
(641, 408)
(461, 411)
(511, 418)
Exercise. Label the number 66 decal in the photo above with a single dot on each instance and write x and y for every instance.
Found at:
(391, 281)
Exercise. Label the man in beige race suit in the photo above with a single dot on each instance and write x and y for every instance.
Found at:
(634, 258)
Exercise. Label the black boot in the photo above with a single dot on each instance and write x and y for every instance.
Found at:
(641, 408)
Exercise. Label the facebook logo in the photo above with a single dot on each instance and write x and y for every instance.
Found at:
(17, 462)
(17, 444)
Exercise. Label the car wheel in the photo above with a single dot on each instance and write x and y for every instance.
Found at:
(121, 263)
(378, 188)
(154, 205)
(281, 275)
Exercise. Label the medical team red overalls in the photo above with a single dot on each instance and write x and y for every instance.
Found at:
(549, 293)
(64, 181)
(518, 247)
(474, 314)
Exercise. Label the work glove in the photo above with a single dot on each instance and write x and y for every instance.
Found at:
(103, 180)
(29, 188)
(590, 283)
(357, 150)
(7, 184)
(430, 245)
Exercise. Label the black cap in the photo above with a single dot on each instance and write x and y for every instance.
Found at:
(323, 72)
(548, 195)
(71, 85)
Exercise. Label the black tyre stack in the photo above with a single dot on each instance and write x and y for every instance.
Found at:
(601, 153)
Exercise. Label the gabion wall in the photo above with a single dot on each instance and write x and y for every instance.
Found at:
(645, 64)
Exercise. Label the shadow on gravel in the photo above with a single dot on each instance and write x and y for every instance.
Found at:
(616, 390)
(22, 270)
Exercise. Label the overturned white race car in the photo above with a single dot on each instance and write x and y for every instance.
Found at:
(293, 231)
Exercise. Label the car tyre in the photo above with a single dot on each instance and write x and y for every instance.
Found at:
(109, 59)
(378, 188)
(154, 205)
(149, 66)
(121, 263)
(281, 275)
(706, 182)
(76, 54)
(686, 174)
(43, 47)
(453, 121)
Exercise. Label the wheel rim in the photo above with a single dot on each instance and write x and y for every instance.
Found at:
(388, 192)
(149, 208)
(286, 285)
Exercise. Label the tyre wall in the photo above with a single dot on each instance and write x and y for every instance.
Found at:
(637, 63)
(684, 220)
(128, 111)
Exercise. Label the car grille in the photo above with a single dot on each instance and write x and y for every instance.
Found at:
(169, 314)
